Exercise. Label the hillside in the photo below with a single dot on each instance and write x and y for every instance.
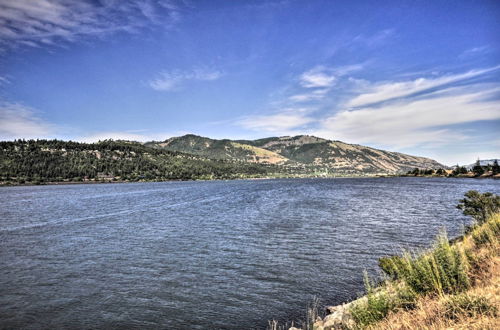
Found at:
(301, 153)
(219, 149)
(54, 161)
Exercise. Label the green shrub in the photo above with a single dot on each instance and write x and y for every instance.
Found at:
(479, 206)
(374, 308)
(442, 270)
(389, 265)
(381, 301)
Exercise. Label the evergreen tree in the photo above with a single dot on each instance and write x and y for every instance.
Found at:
(478, 169)
(495, 168)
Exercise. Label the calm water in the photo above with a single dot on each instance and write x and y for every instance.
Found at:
(203, 255)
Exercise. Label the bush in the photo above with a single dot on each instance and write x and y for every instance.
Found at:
(488, 233)
(389, 265)
(479, 206)
(379, 302)
(376, 306)
(442, 270)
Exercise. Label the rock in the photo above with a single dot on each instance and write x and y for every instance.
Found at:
(338, 318)
(318, 325)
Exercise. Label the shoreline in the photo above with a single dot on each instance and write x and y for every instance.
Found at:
(377, 176)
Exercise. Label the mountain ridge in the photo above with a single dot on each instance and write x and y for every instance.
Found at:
(311, 153)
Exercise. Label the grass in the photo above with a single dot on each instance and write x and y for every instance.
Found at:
(468, 305)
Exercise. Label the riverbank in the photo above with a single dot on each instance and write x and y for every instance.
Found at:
(14, 183)
(456, 284)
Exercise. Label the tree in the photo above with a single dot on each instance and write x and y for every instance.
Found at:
(456, 170)
(478, 169)
(479, 206)
(495, 168)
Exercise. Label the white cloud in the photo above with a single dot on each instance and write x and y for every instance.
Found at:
(381, 92)
(313, 95)
(318, 81)
(169, 81)
(283, 123)
(315, 78)
(18, 121)
(42, 22)
(405, 123)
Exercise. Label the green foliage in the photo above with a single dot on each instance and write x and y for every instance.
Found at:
(479, 206)
(469, 306)
(478, 169)
(442, 270)
(459, 170)
(495, 168)
(37, 161)
(378, 302)
(488, 234)
(389, 265)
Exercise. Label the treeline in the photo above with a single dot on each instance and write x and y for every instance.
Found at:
(476, 171)
(39, 161)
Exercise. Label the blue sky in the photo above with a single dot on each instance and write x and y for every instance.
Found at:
(420, 77)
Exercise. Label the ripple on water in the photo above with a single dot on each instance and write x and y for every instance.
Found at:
(226, 254)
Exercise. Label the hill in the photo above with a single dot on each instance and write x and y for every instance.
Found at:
(219, 149)
(300, 153)
(54, 161)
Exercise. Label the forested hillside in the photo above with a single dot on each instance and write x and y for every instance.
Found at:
(53, 160)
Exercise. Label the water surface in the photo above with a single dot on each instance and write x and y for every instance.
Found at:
(220, 254)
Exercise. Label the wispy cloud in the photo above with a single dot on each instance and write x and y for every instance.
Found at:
(295, 114)
(380, 92)
(316, 78)
(285, 122)
(316, 83)
(173, 80)
(475, 51)
(416, 121)
(375, 39)
(46, 22)
(425, 113)
(4, 80)
(19, 121)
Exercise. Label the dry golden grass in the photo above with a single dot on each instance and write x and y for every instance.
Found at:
(432, 312)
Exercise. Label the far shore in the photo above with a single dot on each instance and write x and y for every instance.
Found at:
(52, 183)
